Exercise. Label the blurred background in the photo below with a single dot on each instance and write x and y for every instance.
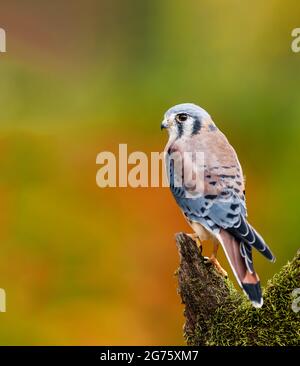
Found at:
(88, 266)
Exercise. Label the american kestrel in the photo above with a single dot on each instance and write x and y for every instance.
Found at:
(215, 207)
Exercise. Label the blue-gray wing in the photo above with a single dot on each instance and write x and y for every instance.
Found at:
(222, 205)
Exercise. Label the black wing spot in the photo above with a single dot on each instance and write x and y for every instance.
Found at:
(231, 216)
(211, 196)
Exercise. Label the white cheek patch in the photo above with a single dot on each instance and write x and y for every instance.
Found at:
(188, 127)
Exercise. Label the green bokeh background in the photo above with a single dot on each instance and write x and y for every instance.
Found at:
(84, 265)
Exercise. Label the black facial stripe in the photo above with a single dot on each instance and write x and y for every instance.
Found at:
(180, 129)
(196, 126)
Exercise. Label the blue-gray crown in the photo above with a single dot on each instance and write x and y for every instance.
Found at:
(189, 108)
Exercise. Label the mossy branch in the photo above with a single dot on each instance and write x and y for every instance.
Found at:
(217, 314)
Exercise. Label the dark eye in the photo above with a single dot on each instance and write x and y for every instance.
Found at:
(181, 117)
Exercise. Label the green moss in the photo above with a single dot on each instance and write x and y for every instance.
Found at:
(237, 322)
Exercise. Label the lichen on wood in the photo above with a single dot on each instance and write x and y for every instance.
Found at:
(217, 314)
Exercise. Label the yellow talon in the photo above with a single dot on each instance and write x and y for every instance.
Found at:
(213, 260)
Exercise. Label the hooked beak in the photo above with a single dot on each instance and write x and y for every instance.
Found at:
(164, 124)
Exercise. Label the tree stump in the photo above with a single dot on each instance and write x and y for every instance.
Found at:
(217, 314)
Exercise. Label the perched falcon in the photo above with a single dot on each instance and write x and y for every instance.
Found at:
(215, 208)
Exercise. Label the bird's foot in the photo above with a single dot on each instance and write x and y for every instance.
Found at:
(213, 260)
(197, 240)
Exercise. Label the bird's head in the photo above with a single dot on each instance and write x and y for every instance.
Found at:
(185, 120)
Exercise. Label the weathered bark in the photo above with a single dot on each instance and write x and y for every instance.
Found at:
(217, 314)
